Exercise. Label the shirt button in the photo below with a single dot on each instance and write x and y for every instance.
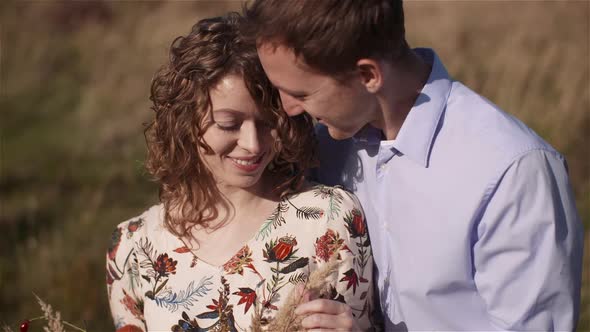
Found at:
(385, 226)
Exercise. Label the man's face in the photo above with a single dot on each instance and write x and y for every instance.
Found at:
(343, 107)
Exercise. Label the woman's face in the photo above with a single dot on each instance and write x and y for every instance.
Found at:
(238, 135)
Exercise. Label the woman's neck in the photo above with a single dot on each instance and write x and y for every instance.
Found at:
(244, 201)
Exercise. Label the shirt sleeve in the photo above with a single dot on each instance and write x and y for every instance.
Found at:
(528, 252)
(353, 281)
(123, 282)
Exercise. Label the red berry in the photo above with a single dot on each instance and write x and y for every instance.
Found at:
(24, 326)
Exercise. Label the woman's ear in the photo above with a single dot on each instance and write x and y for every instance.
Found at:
(371, 74)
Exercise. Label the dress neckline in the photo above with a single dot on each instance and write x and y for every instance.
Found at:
(260, 229)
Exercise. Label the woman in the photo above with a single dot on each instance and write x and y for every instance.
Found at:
(238, 228)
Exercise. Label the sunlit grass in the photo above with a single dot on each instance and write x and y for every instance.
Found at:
(75, 81)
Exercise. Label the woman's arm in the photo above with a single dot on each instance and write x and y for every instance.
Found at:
(123, 282)
(348, 305)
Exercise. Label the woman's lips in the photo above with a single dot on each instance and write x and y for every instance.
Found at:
(248, 164)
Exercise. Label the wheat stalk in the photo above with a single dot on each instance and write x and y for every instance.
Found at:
(53, 319)
(286, 320)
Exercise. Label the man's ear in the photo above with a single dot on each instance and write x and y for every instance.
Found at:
(370, 73)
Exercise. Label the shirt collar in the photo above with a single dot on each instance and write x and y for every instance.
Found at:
(418, 131)
(368, 135)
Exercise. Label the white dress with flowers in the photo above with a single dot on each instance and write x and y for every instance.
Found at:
(155, 283)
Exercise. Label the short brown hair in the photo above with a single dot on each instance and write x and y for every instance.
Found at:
(213, 49)
(330, 35)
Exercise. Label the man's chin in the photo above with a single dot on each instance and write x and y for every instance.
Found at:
(340, 134)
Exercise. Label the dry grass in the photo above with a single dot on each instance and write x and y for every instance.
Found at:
(317, 284)
(74, 81)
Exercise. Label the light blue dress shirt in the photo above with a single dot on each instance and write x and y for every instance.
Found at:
(471, 215)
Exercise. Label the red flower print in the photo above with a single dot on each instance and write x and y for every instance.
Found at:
(182, 250)
(280, 251)
(236, 263)
(115, 241)
(248, 296)
(134, 307)
(214, 306)
(269, 305)
(129, 328)
(355, 223)
(358, 223)
(133, 226)
(165, 265)
(240, 260)
(327, 245)
(353, 279)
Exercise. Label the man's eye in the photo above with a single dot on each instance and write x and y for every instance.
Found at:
(228, 127)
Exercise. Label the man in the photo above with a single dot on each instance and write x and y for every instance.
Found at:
(471, 215)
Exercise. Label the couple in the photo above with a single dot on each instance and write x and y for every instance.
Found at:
(470, 214)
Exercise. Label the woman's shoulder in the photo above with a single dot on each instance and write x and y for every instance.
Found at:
(127, 233)
(330, 206)
(145, 223)
(318, 194)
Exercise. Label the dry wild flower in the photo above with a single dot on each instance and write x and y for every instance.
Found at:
(54, 323)
(286, 320)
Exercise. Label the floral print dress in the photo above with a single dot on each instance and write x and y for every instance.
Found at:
(155, 283)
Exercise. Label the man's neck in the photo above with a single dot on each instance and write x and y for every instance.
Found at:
(403, 83)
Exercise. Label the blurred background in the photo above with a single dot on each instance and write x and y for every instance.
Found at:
(74, 83)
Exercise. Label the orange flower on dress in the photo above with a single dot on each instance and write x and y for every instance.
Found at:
(165, 265)
(129, 328)
(280, 251)
(240, 260)
(133, 226)
(355, 224)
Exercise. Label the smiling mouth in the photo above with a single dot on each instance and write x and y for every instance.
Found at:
(247, 161)
(247, 164)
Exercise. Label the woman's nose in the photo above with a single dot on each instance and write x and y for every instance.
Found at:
(250, 138)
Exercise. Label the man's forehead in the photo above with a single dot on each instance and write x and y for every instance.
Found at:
(286, 54)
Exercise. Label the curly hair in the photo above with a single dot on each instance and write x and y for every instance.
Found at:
(180, 95)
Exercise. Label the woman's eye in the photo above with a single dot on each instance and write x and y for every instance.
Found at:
(228, 127)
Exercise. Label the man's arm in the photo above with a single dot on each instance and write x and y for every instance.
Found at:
(528, 252)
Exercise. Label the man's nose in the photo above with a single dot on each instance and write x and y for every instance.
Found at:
(291, 105)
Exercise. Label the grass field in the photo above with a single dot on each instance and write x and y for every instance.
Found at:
(74, 84)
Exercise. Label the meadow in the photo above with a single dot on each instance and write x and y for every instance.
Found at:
(74, 87)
